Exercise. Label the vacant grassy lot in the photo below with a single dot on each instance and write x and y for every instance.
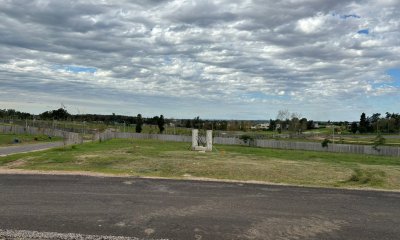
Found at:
(8, 139)
(170, 159)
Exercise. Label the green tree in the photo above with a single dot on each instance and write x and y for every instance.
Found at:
(374, 121)
(363, 124)
(272, 125)
(353, 127)
(161, 123)
(303, 124)
(59, 114)
(197, 122)
(139, 123)
(378, 141)
(310, 124)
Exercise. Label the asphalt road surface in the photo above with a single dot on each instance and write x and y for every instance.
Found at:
(28, 148)
(168, 209)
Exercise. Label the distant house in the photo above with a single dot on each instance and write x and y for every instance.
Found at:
(260, 126)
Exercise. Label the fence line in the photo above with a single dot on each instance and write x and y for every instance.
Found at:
(341, 148)
(75, 138)
(278, 144)
(68, 137)
(163, 137)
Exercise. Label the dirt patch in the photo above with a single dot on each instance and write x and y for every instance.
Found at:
(19, 163)
(16, 164)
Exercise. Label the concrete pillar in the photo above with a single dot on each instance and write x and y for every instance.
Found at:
(209, 141)
(195, 135)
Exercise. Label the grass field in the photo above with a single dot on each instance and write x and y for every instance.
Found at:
(9, 139)
(174, 160)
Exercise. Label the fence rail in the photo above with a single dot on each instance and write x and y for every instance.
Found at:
(278, 144)
(68, 137)
(163, 137)
(341, 148)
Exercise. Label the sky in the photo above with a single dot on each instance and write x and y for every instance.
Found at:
(222, 59)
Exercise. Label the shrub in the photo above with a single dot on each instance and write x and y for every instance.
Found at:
(246, 138)
(378, 141)
(325, 142)
(367, 177)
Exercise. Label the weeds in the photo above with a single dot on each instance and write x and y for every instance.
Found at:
(367, 177)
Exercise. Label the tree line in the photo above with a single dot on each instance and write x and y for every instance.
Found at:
(389, 123)
(62, 114)
(285, 121)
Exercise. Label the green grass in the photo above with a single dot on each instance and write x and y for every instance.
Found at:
(8, 139)
(174, 160)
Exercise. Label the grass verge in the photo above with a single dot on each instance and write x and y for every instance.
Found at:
(173, 160)
(12, 139)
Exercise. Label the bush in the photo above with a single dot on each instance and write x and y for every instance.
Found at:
(378, 141)
(325, 142)
(246, 138)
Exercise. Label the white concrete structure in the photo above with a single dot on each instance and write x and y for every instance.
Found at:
(195, 136)
(209, 141)
(195, 141)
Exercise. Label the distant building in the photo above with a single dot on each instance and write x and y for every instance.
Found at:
(260, 126)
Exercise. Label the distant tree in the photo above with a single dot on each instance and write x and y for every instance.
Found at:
(303, 124)
(392, 122)
(59, 114)
(223, 125)
(363, 124)
(353, 127)
(310, 124)
(283, 115)
(283, 120)
(294, 124)
(197, 122)
(374, 121)
(161, 123)
(188, 123)
(272, 125)
(139, 123)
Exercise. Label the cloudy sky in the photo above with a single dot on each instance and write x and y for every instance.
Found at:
(222, 59)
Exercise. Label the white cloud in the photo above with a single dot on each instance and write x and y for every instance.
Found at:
(312, 24)
(292, 52)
